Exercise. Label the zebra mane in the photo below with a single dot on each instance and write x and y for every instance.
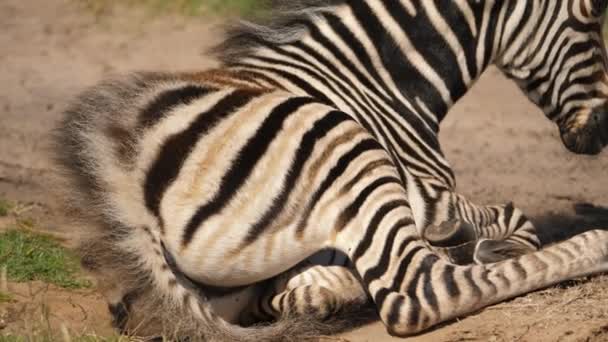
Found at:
(282, 23)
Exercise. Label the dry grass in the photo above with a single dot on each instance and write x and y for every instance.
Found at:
(39, 312)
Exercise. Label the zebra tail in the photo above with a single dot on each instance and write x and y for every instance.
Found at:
(145, 296)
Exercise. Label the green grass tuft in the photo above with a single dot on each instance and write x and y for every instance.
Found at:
(187, 7)
(29, 256)
(5, 297)
(241, 7)
(5, 207)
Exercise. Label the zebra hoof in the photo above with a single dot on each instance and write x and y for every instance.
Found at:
(492, 251)
(450, 233)
(120, 316)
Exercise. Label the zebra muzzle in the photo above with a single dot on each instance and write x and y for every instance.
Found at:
(587, 133)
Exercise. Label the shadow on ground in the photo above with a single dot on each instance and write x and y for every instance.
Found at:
(556, 227)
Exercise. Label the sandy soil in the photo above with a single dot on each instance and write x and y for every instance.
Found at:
(501, 147)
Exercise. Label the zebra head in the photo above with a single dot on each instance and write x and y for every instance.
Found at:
(557, 56)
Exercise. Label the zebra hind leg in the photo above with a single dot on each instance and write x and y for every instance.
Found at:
(318, 293)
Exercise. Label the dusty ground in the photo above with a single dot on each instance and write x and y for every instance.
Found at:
(500, 146)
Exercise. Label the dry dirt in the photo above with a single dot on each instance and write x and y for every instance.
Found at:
(500, 146)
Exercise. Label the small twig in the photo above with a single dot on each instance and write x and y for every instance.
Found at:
(61, 237)
(518, 306)
(23, 208)
(65, 334)
(85, 315)
(4, 279)
(571, 301)
(42, 290)
(327, 338)
(563, 197)
(525, 333)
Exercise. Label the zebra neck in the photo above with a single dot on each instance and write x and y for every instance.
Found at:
(387, 57)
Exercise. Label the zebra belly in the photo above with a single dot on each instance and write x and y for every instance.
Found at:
(229, 264)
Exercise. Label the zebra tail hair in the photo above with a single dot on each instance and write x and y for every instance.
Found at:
(144, 295)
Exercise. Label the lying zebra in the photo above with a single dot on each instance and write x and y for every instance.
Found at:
(299, 178)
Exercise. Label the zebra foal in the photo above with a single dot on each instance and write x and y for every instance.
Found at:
(305, 175)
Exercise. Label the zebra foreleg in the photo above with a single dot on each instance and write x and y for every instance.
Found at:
(511, 235)
(414, 289)
(470, 233)
(419, 289)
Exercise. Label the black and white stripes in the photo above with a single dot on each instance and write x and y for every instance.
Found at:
(305, 175)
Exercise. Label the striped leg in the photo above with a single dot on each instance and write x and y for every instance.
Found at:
(319, 291)
(414, 289)
(512, 235)
(466, 232)
(431, 290)
(311, 290)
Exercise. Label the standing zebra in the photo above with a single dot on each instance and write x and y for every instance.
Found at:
(302, 176)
